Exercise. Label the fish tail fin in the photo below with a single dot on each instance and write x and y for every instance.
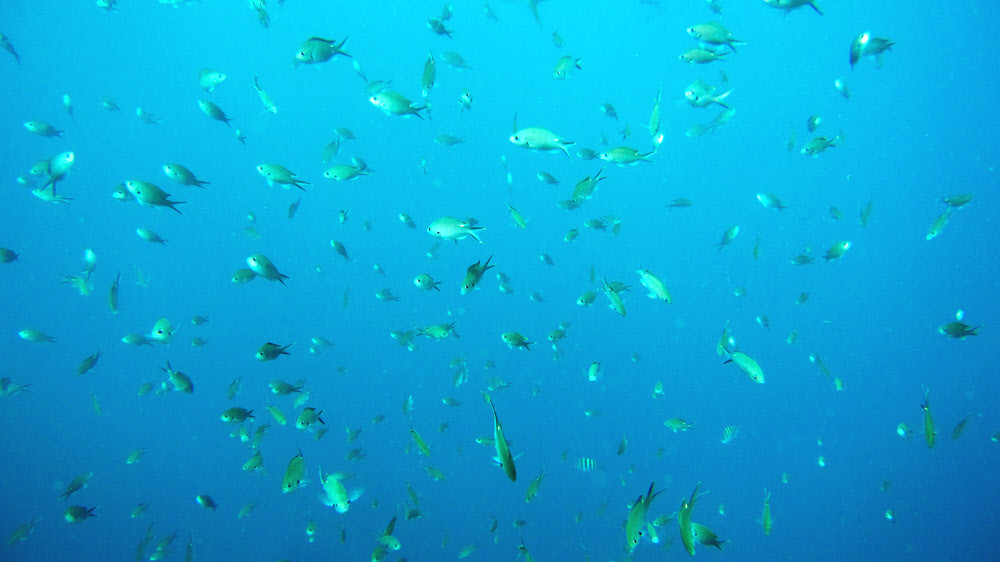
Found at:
(718, 99)
(813, 5)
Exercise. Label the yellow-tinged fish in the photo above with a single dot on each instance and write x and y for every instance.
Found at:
(516, 215)
(262, 266)
(21, 533)
(938, 225)
(256, 462)
(765, 518)
(928, 420)
(422, 446)
(533, 487)
(684, 520)
(837, 250)
(657, 290)
(264, 97)
(308, 417)
(713, 33)
(706, 536)
(586, 187)
(294, 474)
(474, 274)
(148, 194)
(78, 513)
(278, 174)
(503, 452)
(335, 495)
(77, 484)
(277, 414)
(271, 351)
(450, 228)
(317, 49)
(515, 340)
(537, 138)
(430, 72)
(236, 415)
(623, 155)
(748, 365)
(616, 301)
(394, 103)
(564, 66)
(635, 525)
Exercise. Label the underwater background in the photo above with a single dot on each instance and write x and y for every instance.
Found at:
(919, 129)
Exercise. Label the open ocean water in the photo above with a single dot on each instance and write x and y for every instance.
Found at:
(820, 435)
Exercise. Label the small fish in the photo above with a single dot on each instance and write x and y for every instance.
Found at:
(929, 433)
(264, 97)
(294, 474)
(271, 351)
(729, 433)
(765, 518)
(504, 456)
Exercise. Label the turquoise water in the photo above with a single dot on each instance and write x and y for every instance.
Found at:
(916, 130)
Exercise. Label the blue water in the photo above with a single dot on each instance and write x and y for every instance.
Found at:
(918, 129)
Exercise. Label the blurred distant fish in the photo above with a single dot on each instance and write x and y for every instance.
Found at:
(264, 97)
(586, 464)
(789, 5)
(9, 47)
(729, 433)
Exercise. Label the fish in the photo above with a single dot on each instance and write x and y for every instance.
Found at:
(474, 273)
(503, 451)
(78, 513)
(214, 111)
(959, 427)
(182, 175)
(78, 483)
(789, 5)
(394, 103)
(657, 289)
(278, 174)
(317, 50)
(262, 266)
(713, 33)
(837, 250)
(533, 487)
(450, 228)
(677, 425)
(701, 56)
(148, 194)
(818, 145)
(929, 433)
(430, 71)
(264, 97)
(236, 415)
(728, 236)
(748, 365)
(564, 65)
(206, 501)
(765, 518)
(537, 138)
(938, 225)
(729, 433)
(334, 494)
(699, 94)
(515, 340)
(958, 330)
(88, 363)
(635, 524)
(210, 79)
(294, 474)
